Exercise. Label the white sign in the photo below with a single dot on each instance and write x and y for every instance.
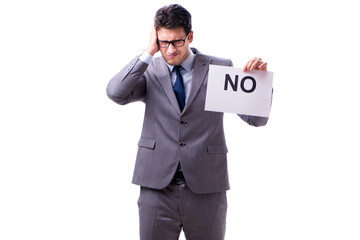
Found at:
(230, 89)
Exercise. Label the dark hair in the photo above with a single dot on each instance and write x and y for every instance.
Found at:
(173, 16)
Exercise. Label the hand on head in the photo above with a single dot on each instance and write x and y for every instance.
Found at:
(153, 46)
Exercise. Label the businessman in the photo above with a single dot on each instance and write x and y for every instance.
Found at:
(181, 163)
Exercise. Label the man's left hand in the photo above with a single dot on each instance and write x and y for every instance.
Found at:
(255, 64)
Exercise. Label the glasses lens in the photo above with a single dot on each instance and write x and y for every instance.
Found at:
(179, 43)
(163, 44)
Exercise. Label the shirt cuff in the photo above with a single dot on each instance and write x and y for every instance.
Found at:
(146, 57)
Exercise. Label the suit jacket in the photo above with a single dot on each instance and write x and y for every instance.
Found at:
(193, 137)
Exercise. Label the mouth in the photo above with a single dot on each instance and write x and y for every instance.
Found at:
(172, 56)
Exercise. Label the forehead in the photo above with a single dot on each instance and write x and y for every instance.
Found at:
(165, 34)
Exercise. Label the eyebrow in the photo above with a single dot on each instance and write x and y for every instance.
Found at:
(172, 40)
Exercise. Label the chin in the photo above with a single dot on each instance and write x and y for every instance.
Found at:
(172, 62)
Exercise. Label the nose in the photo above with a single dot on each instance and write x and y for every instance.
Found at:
(171, 49)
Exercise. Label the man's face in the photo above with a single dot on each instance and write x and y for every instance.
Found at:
(175, 55)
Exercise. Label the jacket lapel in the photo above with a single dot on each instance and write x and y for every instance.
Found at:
(163, 75)
(201, 68)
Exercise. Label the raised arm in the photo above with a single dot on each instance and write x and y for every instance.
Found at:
(129, 84)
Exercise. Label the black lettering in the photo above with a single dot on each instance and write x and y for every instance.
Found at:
(243, 83)
(228, 80)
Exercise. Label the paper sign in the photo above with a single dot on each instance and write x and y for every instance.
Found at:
(230, 89)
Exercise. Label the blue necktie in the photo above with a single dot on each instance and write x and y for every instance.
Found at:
(180, 93)
(179, 88)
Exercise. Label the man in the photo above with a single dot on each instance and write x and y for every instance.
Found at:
(181, 162)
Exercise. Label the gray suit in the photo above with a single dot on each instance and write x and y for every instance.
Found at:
(194, 137)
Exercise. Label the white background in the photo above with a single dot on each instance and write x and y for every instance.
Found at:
(67, 152)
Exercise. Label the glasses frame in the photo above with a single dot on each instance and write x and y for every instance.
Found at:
(173, 42)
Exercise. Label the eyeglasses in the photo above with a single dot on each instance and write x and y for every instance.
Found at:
(175, 43)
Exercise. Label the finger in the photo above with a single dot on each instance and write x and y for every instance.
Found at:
(245, 67)
(263, 66)
(255, 64)
(248, 65)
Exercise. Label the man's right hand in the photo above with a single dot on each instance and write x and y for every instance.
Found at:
(153, 45)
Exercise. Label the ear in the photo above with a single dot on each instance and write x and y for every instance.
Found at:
(191, 36)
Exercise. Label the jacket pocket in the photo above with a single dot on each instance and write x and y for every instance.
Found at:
(217, 148)
(147, 143)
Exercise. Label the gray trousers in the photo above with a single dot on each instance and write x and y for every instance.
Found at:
(164, 213)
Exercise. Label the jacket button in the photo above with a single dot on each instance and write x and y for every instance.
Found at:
(183, 122)
(182, 144)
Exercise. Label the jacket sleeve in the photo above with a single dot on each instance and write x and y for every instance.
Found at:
(129, 85)
(254, 120)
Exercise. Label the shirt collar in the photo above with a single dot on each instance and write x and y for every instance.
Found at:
(187, 64)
